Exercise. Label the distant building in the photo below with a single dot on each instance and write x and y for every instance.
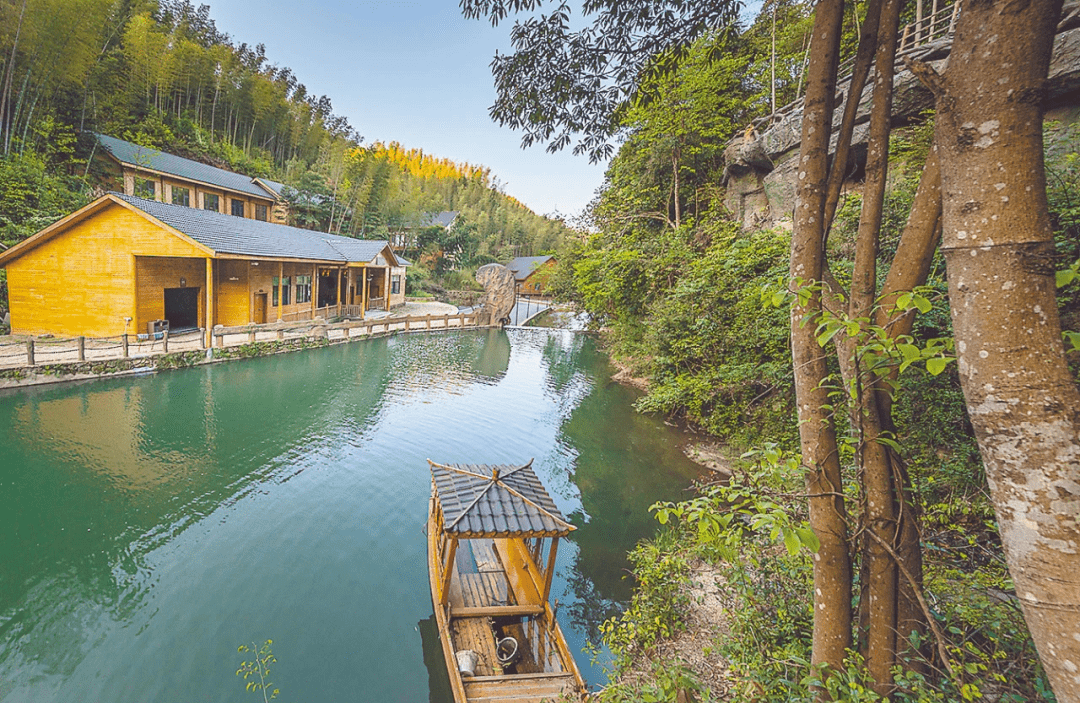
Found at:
(532, 273)
(145, 172)
(121, 263)
(405, 237)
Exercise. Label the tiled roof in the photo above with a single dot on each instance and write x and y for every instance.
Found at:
(226, 234)
(442, 219)
(150, 158)
(522, 266)
(482, 500)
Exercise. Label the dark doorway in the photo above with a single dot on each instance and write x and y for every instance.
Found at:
(182, 308)
(328, 284)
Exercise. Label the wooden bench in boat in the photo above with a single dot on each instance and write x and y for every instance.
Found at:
(518, 689)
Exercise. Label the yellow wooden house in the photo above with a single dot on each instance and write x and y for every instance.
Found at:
(121, 263)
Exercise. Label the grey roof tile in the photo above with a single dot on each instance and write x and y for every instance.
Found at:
(150, 158)
(522, 266)
(475, 503)
(226, 234)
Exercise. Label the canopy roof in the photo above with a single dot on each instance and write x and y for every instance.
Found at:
(481, 500)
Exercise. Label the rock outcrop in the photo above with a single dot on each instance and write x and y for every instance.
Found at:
(500, 293)
(760, 164)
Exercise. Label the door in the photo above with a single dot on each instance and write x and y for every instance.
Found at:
(182, 308)
(259, 314)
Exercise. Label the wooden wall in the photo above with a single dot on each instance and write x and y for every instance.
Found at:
(398, 298)
(153, 274)
(82, 282)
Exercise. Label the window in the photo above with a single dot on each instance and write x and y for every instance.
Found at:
(181, 196)
(284, 290)
(211, 202)
(145, 188)
(237, 208)
(303, 289)
(395, 285)
(260, 212)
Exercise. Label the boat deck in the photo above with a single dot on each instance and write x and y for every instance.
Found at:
(481, 581)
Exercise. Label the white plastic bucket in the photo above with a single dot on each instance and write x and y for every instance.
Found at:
(466, 662)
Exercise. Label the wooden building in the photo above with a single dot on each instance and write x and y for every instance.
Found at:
(531, 273)
(152, 174)
(121, 263)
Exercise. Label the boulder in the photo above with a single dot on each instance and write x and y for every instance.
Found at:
(500, 293)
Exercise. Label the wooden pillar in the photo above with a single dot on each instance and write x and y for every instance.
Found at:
(124, 345)
(165, 341)
(448, 570)
(30, 351)
(314, 290)
(340, 285)
(280, 278)
(210, 303)
(550, 571)
(363, 292)
(80, 345)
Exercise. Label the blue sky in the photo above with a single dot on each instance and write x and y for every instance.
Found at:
(413, 72)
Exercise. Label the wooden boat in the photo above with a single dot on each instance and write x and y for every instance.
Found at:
(493, 533)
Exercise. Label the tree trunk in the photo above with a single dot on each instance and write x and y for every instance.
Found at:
(877, 471)
(817, 434)
(998, 245)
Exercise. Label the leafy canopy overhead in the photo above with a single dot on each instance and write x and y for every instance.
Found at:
(561, 81)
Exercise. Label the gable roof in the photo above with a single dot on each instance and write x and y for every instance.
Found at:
(523, 266)
(218, 233)
(152, 159)
(482, 500)
(442, 219)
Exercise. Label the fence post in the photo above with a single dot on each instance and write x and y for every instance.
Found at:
(428, 319)
(281, 334)
(165, 341)
(406, 324)
(251, 335)
(30, 351)
(446, 322)
(80, 345)
(124, 344)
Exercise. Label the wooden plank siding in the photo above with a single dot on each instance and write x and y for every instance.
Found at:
(82, 282)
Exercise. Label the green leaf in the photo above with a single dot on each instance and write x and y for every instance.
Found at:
(936, 365)
(1065, 277)
(1072, 338)
(910, 352)
(808, 538)
(921, 303)
(792, 542)
(904, 301)
(889, 442)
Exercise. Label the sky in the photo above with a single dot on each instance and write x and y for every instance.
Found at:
(417, 73)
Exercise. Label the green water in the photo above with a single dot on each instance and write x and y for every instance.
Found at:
(149, 526)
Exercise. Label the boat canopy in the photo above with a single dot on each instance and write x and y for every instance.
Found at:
(482, 500)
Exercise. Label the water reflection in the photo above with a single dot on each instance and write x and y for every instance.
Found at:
(149, 525)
